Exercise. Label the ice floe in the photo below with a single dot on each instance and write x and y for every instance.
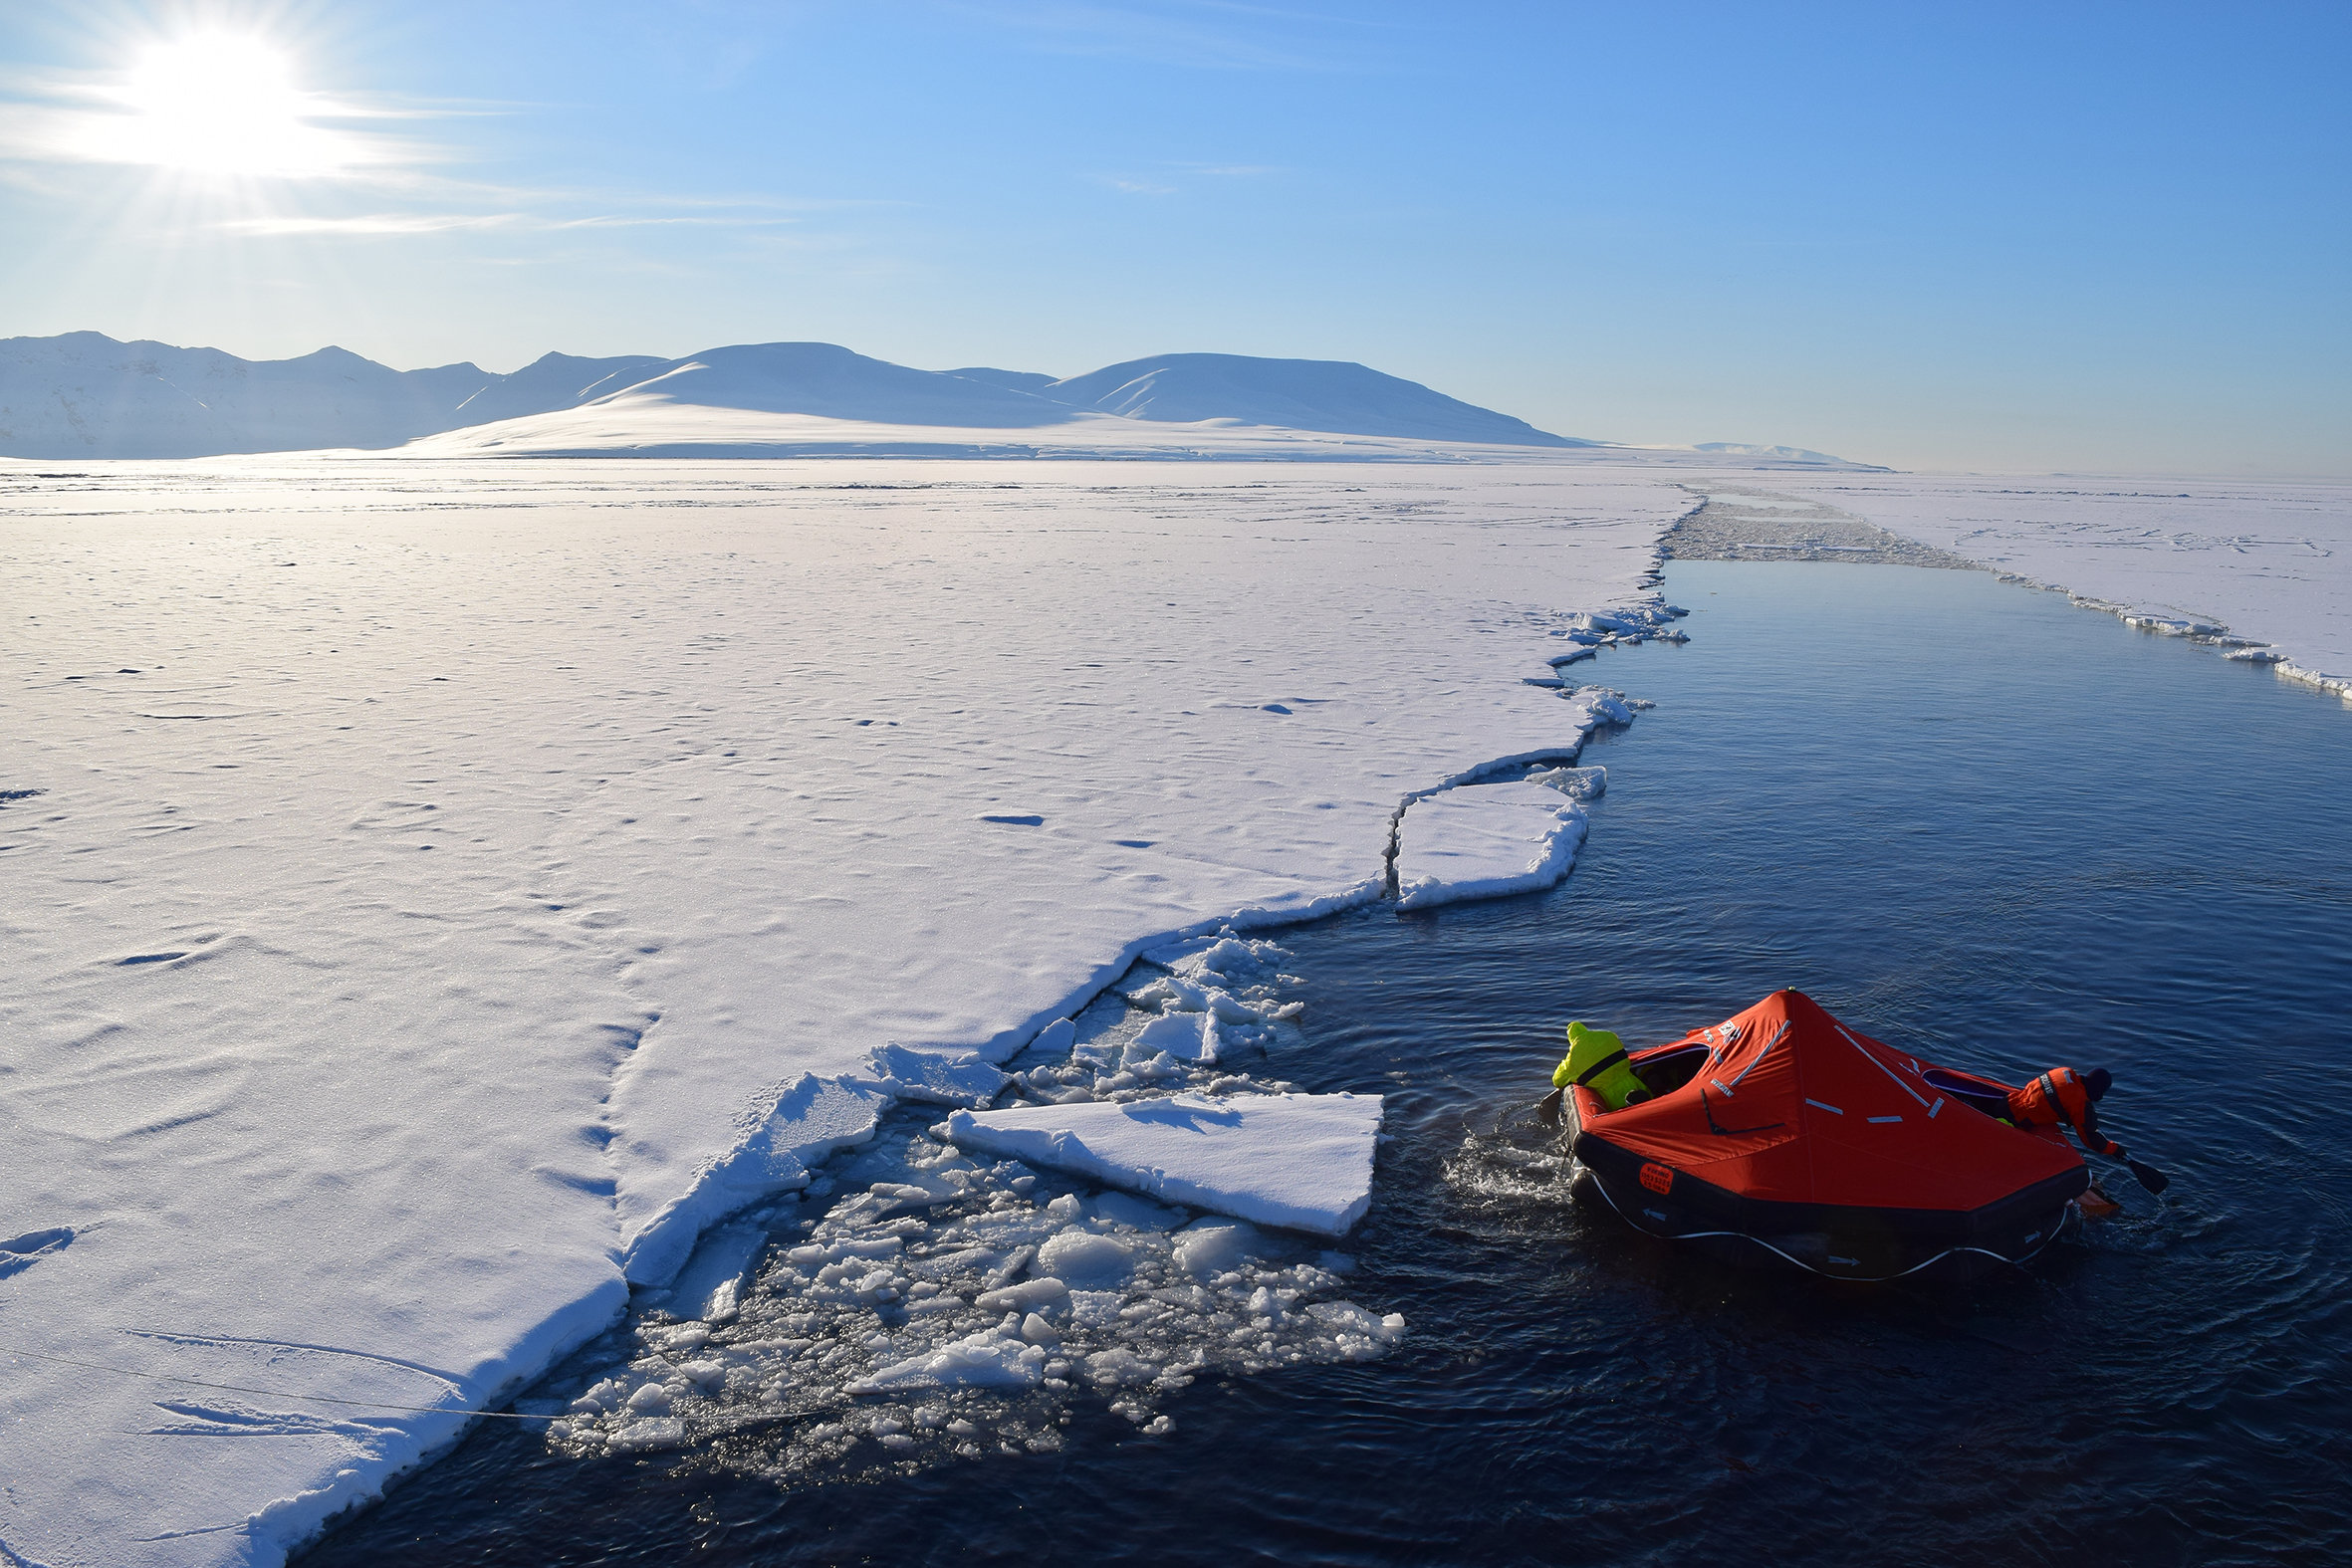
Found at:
(1485, 840)
(1302, 1160)
(949, 1077)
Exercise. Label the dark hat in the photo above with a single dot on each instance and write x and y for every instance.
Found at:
(2098, 1081)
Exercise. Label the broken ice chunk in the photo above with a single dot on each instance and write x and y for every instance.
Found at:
(1577, 784)
(1301, 1161)
(707, 1286)
(1083, 1258)
(1484, 841)
(946, 1078)
(660, 1431)
(1214, 1246)
(1610, 707)
(990, 1361)
(1026, 1296)
(1135, 1212)
(1187, 1037)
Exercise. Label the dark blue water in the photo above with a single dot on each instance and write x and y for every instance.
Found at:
(1961, 815)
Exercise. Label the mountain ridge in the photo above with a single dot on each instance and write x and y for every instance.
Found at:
(87, 396)
(1337, 395)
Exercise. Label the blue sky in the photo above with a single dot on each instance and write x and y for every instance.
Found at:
(1980, 237)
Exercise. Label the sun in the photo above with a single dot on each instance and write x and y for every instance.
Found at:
(224, 105)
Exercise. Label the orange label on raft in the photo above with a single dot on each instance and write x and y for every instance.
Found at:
(1657, 1177)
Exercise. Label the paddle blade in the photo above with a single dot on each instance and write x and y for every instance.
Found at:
(2150, 1177)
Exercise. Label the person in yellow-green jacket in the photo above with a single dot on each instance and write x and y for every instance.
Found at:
(1596, 1059)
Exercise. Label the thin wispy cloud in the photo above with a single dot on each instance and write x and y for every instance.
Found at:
(1161, 184)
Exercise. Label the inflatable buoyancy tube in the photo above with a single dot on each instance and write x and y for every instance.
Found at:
(1781, 1134)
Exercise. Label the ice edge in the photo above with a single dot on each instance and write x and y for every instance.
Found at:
(2192, 628)
(735, 1181)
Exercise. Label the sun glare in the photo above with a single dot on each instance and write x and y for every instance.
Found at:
(221, 103)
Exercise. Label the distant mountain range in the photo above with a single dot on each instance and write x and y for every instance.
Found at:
(86, 395)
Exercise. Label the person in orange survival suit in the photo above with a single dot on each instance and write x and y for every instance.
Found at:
(2064, 1097)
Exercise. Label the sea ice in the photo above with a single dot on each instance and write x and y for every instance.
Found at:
(1484, 840)
(996, 1358)
(2224, 561)
(708, 1287)
(1577, 784)
(968, 1328)
(439, 893)
(1302, 1160)
(949, 1077)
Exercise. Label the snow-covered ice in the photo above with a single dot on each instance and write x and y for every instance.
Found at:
(2264, 570)
(438, 893)
(1485, 840)
(1301, 1161)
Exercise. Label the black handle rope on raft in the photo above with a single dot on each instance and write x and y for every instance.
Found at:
(1753, 1063)
(1729, 1132)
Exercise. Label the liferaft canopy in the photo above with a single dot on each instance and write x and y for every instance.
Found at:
(1790, 1105)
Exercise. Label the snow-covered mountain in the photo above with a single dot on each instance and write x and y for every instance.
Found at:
(82, 394)
(1302, 395)
(1017, 381)
(1775, 454)
(86, 395)
(831, 383)
(556, 380)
